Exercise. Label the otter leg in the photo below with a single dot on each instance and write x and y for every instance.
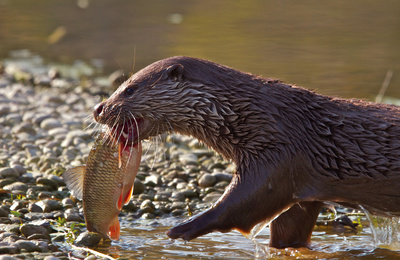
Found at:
(245, 203)
(293, 228)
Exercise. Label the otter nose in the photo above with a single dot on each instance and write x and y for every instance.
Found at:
(98, 109)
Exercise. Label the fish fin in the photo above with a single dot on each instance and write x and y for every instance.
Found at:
(73, 178)
(114, 229)
(128, 196)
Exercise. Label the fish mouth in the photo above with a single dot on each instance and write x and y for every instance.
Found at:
(127, 133)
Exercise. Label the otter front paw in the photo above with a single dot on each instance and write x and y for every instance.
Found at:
(187, 231)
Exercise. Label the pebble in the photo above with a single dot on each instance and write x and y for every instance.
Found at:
(27, 246)
(207, 180)
(29, 230)
(88, 239)
(40, 141)
(9, 172)
(16, 186)
(50, 123)
(3, 213)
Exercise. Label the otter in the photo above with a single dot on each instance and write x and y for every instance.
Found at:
(294, 149)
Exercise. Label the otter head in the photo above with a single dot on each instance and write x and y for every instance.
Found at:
(179, 94)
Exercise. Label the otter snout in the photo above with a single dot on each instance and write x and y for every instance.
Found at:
(98, 112)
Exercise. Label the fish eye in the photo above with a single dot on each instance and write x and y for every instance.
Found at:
(129, 92)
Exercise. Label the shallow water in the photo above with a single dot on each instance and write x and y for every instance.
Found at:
(146, 239)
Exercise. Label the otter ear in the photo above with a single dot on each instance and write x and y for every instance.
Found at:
(176, 72)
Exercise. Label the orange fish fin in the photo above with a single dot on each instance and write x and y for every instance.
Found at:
(128, 196)
(73, 178)
(114, 229)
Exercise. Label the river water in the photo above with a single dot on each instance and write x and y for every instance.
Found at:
(341, 48)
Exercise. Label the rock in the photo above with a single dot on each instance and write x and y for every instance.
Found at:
(50, 123)
(27, 246)
(7, 257)
(20, 169)
(68, 203)
(72, 216)
(35, 208)
(50, 257)
(3, 213)
(17, 205)
(207, 180)
(29, 230)
(24, 128)
(47, 182)
(8, 173)
(38, 237)
(16, 186)
(222, 176)
(56, 179)
(5, 182)
(49, 205)
(147, 207)
(188, 159)
(212, 197)
(153, 180)
(9, 250)
(88, 239)
(139, 187)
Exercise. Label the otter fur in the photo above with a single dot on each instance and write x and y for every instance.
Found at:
(294, 149)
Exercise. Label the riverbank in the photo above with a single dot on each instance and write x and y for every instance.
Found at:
(45, 125)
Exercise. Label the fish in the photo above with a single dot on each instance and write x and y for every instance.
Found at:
(105, 184)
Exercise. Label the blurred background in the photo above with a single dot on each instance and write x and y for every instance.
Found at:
(341, 48)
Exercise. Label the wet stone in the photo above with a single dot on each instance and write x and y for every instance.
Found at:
(88, 239)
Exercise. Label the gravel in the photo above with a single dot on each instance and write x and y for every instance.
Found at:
(45, 128)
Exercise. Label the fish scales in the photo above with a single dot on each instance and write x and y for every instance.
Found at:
(103, 185)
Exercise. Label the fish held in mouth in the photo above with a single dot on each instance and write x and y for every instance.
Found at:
(105, 184)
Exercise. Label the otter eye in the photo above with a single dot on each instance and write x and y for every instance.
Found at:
(129, 92)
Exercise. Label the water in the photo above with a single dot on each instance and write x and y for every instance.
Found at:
(146, 239)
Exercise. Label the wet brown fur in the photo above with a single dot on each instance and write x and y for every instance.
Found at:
(294, 149)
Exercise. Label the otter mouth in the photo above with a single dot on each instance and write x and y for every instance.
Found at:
(127, 134)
